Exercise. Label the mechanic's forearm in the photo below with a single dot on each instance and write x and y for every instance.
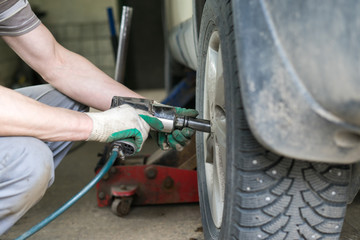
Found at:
(78, 78)
(67, 71)
(23, 116)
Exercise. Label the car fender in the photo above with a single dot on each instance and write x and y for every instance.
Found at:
(282, 103)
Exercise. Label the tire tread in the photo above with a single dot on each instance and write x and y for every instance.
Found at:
(300, 198)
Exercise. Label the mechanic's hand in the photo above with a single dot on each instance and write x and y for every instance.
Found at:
(119, 123)
(178, 138)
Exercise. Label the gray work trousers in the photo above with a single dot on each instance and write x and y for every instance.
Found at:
(27, 164)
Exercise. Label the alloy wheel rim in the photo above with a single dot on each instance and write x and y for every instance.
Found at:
(215, 143)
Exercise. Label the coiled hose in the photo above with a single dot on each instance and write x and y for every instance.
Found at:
(114, 154)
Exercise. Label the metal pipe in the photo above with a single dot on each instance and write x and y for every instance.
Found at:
(113, 37)
(124, 33)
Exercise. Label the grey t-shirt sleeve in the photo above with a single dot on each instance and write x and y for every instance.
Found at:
(16, 18)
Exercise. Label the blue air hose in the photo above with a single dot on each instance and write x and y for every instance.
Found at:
(46, 221)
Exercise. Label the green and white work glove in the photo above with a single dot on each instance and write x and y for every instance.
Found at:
(119, 123)
(178, 138)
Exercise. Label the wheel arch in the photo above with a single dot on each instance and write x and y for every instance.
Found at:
(282, 114)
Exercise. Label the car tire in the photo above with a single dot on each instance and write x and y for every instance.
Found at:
(246, 191)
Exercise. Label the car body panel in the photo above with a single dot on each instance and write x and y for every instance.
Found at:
(181, 32)
(321, 42)
(177, 11)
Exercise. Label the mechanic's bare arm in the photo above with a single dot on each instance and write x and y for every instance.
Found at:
(23, 116)
(68, 72)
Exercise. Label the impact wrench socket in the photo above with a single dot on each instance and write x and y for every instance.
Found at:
(165, 113)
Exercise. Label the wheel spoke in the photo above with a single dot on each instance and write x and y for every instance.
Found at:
(209, 154)
(210, 82)
(219, 96)
(217, 198)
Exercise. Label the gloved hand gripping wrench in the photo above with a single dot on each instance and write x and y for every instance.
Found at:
(165, 113)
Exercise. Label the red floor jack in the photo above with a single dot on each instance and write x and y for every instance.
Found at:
(127, 185)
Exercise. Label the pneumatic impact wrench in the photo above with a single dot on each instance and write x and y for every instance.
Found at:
(165, 113)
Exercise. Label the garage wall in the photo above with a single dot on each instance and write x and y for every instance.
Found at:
(79, 25)
(70, 11)
(82, 27)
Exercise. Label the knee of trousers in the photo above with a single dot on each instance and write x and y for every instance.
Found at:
(27, 171)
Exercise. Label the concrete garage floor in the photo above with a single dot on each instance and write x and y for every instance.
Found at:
(351, 228)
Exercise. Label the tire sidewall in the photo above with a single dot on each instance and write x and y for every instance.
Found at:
(208, 26)
(215, 19)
